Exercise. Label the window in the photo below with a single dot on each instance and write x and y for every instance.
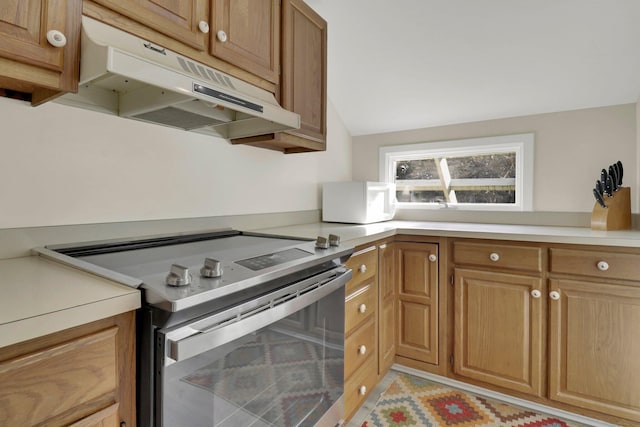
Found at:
(494, 173)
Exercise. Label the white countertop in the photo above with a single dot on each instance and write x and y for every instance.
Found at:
(361, 234)
(40, 297)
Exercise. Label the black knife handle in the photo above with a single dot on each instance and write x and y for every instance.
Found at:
(598, 197)
(613, 173)
(608, 186)
(620, 173)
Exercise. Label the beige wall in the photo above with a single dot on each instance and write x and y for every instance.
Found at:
(570, 150)
(62, 165)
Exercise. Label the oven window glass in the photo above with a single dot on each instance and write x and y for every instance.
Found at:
(289, 373)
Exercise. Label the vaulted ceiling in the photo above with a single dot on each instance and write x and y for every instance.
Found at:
(407, 64)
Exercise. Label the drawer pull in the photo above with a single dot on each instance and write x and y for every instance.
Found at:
(362, 308)
(603, 265)
(433, 258)
(536, 293)
(494, 257)
(555, 295)
(362, 349)
(362, 390)
(362, 269)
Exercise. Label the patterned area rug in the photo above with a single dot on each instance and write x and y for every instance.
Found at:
(277, 378)
(413, 401)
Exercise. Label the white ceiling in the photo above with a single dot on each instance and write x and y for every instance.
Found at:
(409, 64)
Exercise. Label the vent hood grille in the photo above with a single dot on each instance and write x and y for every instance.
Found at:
(124, 75)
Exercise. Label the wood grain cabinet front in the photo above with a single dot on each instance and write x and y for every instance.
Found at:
(83, 376)
(303, 81)
(499, 324)
(594, 349)
(40, 47)
(361, 324)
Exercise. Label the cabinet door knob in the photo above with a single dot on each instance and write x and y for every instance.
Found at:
(362, 390)
(602, 265)
(494, 256)
(432, 258)
(362, 308)
(56, 38)
(222, 36)
(536, 293)
(554, 295)
(362, 349)
(203, 26)
(362, 269)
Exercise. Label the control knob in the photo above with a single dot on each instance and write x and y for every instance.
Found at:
(322, 242)
(178, 276)
(334, 240)
(212, 268)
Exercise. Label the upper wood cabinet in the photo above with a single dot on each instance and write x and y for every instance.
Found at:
(39, 49)
(184, 20)
(303, 88)
(246, 33)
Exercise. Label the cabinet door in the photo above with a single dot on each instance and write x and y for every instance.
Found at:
(386, 307)
(178, 19)
(417, 332)
(304, 63)
(499, 329)
(23, 29)
(595, 347)
(246, 33)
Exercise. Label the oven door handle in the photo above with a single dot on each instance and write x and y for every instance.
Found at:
(199, 343)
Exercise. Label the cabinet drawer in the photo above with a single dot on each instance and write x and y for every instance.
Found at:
(46, 383)
(359, 306)
(359, 346)
(512, 257)
(612, 265)
(364, 264)
(363, 380)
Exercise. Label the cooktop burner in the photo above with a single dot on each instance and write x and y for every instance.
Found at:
(185, 270)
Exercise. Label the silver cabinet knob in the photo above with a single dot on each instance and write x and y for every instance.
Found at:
(554, 295)
(362, 308)
(362, 349)
(362, 268)
(536, 293)
(602, 265)
(56, 38)
(178, 276)
(362, 390)
(203, 26)
(212, 268)
(494, 257)
(222, 36)
(433, 258)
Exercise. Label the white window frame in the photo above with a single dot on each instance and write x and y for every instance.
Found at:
(521, 144)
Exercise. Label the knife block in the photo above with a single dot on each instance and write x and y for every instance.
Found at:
(617, 214)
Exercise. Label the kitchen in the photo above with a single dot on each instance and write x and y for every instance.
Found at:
(73, 175)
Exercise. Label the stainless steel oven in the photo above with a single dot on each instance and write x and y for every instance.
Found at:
(236, 329)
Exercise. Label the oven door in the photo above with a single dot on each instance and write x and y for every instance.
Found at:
(277, 360)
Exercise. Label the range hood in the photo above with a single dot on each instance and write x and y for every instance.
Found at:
(130, 77)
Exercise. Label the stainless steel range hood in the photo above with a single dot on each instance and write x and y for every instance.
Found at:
(127, 76)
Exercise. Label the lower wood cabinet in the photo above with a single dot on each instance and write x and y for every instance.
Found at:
(594, 352)
(361, 329)
(84, 376)
(499, 329)
(417, 301)
(387, 283)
